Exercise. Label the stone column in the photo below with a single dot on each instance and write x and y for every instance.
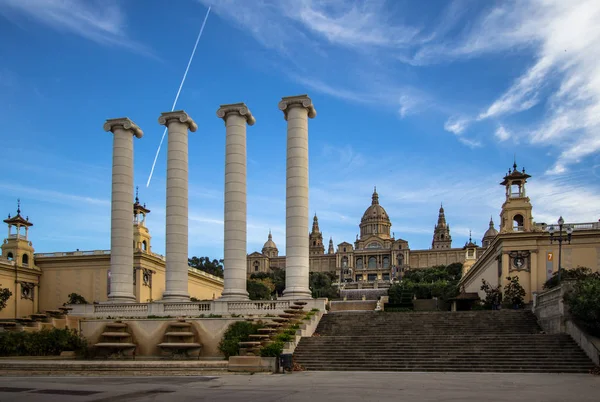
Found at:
(121, 221)
(297, 110)
(236, 116)
(178, 123)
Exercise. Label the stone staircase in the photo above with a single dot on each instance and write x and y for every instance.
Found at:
(469, 341)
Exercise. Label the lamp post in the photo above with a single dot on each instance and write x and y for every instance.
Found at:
(560, 238)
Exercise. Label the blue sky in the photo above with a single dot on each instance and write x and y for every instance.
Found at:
(427, 101)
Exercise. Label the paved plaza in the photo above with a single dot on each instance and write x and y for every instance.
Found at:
(307, 386)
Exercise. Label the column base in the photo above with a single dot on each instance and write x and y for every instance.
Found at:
(121, 298)
(234, 295)
(176, 297)
(296, 294)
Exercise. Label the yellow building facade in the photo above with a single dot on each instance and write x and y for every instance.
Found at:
(527, 249)
(43, 281)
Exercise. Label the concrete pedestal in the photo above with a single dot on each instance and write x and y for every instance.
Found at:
(121, 233)
(297, 110)
(176, 234)
(236, 116)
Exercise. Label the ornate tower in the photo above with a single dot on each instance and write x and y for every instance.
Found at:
(141, 235)
(270, 248)
(17, 246)
(441, 232)
(316, 239)
(375, 220)
(516, 210)
(470, 254)
(331, 249)
(489, 235)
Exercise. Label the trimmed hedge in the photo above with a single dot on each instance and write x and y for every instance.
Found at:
(237, 332)
(47, 342)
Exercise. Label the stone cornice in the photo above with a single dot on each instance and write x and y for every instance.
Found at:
(179, 115)
(304, 101)
(125, 123)
(237, 108)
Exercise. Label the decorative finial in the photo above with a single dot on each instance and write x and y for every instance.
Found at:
(470, 240)
(270, 236)
(137, 194)
(515, 161)
(18, 206)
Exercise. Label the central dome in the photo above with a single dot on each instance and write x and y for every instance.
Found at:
(375, 220)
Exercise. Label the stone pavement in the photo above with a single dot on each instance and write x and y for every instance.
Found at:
(308, 386)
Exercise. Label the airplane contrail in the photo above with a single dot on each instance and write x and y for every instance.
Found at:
(177, 96)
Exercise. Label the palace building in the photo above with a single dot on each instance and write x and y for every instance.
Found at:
(376, 255)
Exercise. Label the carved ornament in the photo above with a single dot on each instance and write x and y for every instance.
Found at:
(304, 101)
(180, 116)
(125, 123)
(236, 108)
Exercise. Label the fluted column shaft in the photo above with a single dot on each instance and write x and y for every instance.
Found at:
(297, 110)
(121, 233)
(236, 116)
(176, 232)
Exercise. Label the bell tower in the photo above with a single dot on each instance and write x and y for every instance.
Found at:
(17, 246)
(316, 246)
(516, 210)
(441, 232)
(141, 234)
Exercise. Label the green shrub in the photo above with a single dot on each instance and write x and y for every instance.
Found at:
(584, 303)
(570, 274)
(41, 343)
(283, 337)
(237, 332)
(75, 298)
(272, 350)
(257, 290)
(493, 295)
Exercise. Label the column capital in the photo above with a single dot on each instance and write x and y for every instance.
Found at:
(126, 123)
(239, 108)
(180, 115)
(287, 102)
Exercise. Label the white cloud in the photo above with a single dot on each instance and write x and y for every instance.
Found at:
(456, 125)
(502, 134)
(100, 21)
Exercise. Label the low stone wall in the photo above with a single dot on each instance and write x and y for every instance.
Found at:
(554, 318)
(353, 305)
(425, 304)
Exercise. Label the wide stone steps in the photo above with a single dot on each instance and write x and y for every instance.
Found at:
(485, 341)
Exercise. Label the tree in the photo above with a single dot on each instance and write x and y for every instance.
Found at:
(258, 289)
(493, 295)
(213, 267)
(514, 294)
(584, 303)
(5, 294)
(570, 274)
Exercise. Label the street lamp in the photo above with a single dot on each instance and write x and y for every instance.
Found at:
(560, 239)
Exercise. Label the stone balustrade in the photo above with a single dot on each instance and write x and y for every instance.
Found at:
(188, 309)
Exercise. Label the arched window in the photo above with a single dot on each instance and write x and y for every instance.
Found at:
(372, 262)
(256, 264)
(359, 263)
(400, 259)
(386, 262)
(345, 262)
(518, 222)
(25, 259)
(145, 245)
(10, 256)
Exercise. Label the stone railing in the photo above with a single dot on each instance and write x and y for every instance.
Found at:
(553, 315)
(72, 253)
(254, 307)
(188, 309)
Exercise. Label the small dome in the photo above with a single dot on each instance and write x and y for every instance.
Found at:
(269, 243)
(491, 232)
